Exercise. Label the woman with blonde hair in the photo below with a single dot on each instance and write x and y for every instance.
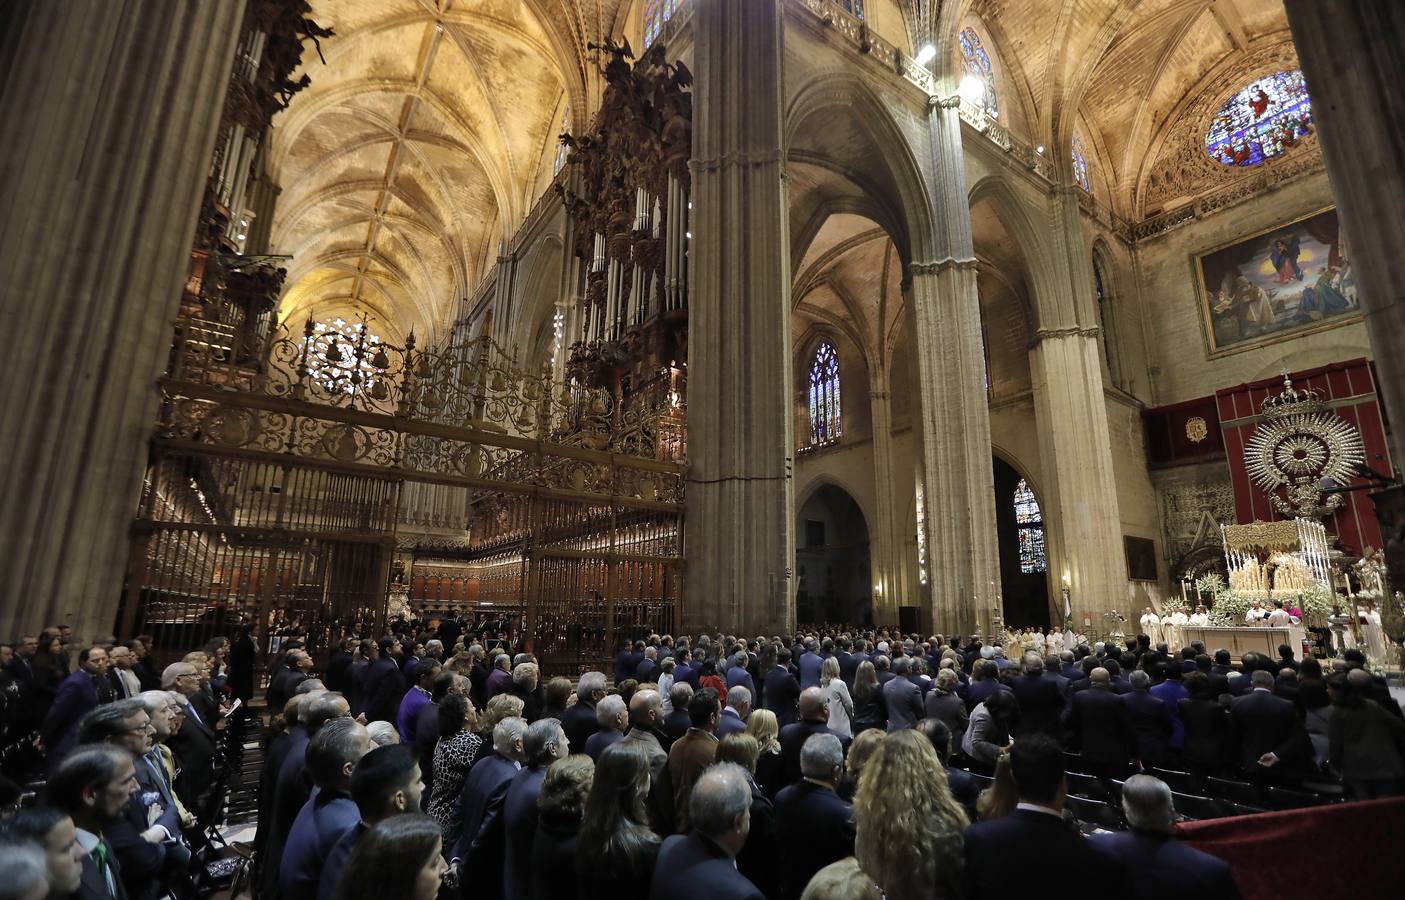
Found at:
(836, 694)
(1000, 798)
(860, 752)
(503, 706)
(770, 771)
(908, 826)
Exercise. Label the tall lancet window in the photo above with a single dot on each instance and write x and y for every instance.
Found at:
(1080, 165)
(853, 6)
(1030, 521)
(825, 423)
(656, 13)
(978, 64)
(561, 149)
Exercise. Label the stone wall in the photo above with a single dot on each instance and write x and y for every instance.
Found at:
(1179, 366)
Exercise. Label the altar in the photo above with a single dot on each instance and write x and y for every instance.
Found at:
(1241, 639)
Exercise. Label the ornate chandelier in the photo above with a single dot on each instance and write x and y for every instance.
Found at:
(1298, 444)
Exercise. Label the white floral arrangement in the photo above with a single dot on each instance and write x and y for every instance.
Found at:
(1315, 601)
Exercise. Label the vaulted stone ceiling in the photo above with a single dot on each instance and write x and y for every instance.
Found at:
(424, 140)
(1121, 73)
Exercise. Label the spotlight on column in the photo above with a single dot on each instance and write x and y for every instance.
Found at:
(926, 54)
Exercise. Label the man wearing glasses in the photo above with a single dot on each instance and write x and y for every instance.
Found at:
(194, 745)
(146, 835)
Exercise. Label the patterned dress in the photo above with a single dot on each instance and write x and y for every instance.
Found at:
(453, 756)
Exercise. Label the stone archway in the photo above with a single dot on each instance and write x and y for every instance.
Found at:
(832, 559)
(1025, 594)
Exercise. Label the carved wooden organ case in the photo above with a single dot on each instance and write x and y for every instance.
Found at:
(627, 194)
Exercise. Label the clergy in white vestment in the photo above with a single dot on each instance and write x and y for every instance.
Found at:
(1255, 614)
(1173, 625)
(1200, 618)
(1151, 626)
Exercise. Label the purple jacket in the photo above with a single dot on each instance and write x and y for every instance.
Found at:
(498, 682)
(407, 719)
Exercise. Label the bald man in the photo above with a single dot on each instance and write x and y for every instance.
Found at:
(1100, 724)
(814, 719)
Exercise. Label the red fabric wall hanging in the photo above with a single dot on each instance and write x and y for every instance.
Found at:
(1349, 389)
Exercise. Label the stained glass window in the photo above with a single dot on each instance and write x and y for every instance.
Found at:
(1104, 314)
(333, 368)
(853, 6)
(825, 422)
(561, 149)
(1030, 520)
(1262, 120)
(978, 64)
(656, 13)
(1080, 165)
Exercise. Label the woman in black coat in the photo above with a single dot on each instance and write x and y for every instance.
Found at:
(559, 809)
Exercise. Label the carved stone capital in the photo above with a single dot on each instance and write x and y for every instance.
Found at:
(936, 267)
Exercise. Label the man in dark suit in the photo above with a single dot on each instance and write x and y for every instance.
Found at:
(1097, 718)
(385, 783)
(814, 825)
(329, 813)
(196, 744)
(984, 683)
(77, 694)
(1162, 867)
(1265, 728)
(810, 663)
(648, 669)
(902, 698)
(543, 745)
(814, 718)
(684, 672)
(964, 786)
(735, 712)
(702, 865)
(782, 690)
(848, 663)
(92, 785)
(385, 683)
(1150, 720)
(738, 676)
(1034, 835)
(481, 844)
(677, 723)
(580, 721)
(146, 836)
(1041, 700)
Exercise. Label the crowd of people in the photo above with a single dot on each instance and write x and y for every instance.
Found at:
(833, 765)
(114, 771)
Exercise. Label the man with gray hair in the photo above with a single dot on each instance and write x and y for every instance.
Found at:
(702, 864)
(613, 718)
(902, 698)
(329, 813)
(737, 674)
(26, 871)
(580, 721)
(499, 679)
(812, 822)
(543, 745)
(480, 843)
(1150, 719)
(195, 745)
(677, 723)
(1162, 865)
(735, 712)
(645, 712)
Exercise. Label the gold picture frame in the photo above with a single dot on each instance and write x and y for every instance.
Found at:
(1275, 285)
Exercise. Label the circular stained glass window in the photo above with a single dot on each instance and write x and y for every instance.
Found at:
(1262, 120)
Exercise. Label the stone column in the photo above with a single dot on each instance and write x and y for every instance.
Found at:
(885, 535)
(1351, 54)
(963, 558)
(740, 543)
(1079, 489)
(108, 117)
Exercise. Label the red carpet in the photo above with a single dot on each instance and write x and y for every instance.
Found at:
(1343, 850)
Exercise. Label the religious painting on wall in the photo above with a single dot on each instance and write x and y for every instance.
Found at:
(1275, 285)
(1141, 558)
